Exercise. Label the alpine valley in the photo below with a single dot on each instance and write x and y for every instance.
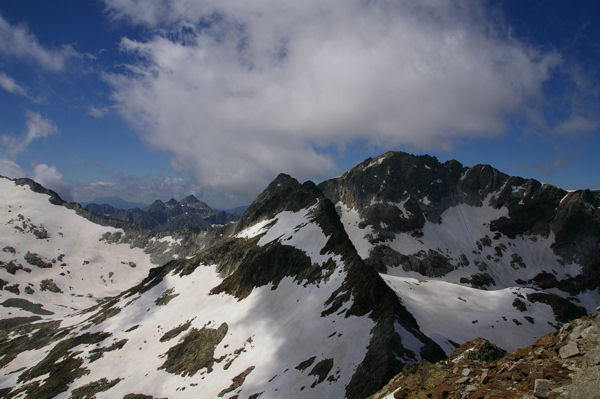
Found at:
(316, 291)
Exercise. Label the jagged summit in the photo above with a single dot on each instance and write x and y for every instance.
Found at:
(430, 227)
(194, 202)
(283, 193)
(190, 199)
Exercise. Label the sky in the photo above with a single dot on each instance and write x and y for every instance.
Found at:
(156, 99)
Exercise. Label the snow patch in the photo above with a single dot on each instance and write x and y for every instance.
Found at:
(446, 311)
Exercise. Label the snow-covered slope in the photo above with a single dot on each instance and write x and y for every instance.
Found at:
(474, 312)
(55, 261)
(282, 308)
(466, 248)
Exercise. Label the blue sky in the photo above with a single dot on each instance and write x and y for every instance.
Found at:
(158, 99)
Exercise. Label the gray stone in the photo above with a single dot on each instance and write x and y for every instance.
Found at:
(569, 350)
(471, 388)
(593, 356)
(586, 384)
(541, 388)
(576, 333)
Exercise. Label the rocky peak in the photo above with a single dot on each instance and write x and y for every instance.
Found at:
(156, 206)
(396, 329)
(190, 199)
(283, 193)
(172, 202)
(393, 177)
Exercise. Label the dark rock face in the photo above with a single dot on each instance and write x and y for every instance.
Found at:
(49, 285)
(284, 193)
(35, 308)
(479, 280)
(195, 351)
(35, 260)
(563, 309)
(398, 193)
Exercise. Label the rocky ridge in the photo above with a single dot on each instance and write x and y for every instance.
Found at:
(563, 364)
(429, 227)
(400, 197)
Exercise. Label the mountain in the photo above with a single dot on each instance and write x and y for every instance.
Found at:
(281, 306)
(170, 215)
(325, 290)
(472, 252)
(52, 253)
(116, 202)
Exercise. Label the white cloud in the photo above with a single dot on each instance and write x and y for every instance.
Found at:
(16, 41)
(98, 112)
(37, 127)
(50, 177)
(10, 169)
(240, 91)
(8, 84)
(578, 124)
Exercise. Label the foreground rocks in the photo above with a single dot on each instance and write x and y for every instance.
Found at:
(563, 364)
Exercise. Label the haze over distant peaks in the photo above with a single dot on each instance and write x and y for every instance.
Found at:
(170, 215)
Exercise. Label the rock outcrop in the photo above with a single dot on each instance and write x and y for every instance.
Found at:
(564, 364)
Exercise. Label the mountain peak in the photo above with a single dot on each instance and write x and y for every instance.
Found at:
(283, 193)
(156, 206)
(283, 181)
(190, 199)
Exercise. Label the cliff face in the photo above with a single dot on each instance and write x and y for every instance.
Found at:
(472, 251)
(413, 213)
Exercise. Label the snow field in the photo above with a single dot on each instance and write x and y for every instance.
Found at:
(93, 268)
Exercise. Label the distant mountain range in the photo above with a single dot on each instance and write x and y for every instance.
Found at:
(316, 291)
(116, 202)
(170, 215)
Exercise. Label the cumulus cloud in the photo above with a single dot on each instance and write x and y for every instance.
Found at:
(239, 91)
(49, 177)
(8, 84)
(37, 127)
(16, 41)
